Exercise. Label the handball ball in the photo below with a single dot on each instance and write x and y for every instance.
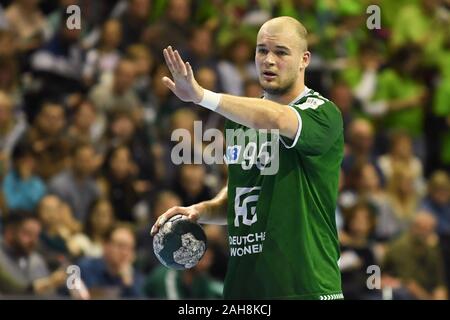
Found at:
(179, 243)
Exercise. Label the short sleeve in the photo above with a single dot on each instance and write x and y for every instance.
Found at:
(320, 125)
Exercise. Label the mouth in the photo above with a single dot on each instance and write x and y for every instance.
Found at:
(269, 75)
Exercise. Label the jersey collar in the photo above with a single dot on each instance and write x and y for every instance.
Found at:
(301, 95)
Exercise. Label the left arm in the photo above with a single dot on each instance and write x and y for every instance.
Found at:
(251, 112)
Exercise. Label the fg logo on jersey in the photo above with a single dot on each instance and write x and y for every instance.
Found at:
(245, 203)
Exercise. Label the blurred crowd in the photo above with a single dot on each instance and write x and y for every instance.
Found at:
(85, 139)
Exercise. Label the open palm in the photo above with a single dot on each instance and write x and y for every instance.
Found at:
(183, 85)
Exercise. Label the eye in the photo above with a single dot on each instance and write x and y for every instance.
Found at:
(281, 53)
(262, 50)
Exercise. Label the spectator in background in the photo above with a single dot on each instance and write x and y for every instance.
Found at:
(437, 202)
(123, 130)
(134, 21)
(28, 24)
(404, 95)
(60, 61)
(58, 226)
(413, 265)
(100, 219)
(22, 189)
(237, 66)
(119, 183)
(359, 146)
(83, 128)
(401, 155)
(22, 269)
(402, 196)
(113, 276)
(365, 186)
(12, 127)
(191, 185)
(48, 140)
(143, 60)
(10, 80)
(252, 89)
(201, 48)
(77, 185)
(173, 29)
(116, 93)
(342, 96)
(105, 57)
(357, 250)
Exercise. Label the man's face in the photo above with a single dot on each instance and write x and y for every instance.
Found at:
(51, 119)
(125, 76)
(119, 251)
(278, 60)
(26, 237)
(84, 163)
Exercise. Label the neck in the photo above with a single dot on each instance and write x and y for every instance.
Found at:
(289, 96)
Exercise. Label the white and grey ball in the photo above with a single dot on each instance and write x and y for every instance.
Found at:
(180, 243)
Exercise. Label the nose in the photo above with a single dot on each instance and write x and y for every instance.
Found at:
(269, 60)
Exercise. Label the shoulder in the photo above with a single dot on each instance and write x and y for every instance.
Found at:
(314, 100)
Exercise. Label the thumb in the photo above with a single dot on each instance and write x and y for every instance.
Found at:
(169, 83)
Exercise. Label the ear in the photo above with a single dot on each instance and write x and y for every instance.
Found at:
(306, 58)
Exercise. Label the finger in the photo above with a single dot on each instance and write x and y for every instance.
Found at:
(163, 219)
(190, 73)
(169, 61)
(180, 64)
(173, 59)
(169, 83)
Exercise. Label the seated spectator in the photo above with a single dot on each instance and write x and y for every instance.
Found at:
(134, 21)
(77, 185)
(98, 222)
(22, 189)
(191, 185)
(143, 60)
(119, 183)
(364, 184)
(59, 63)
(124, 130)
(113, 275)
(413, 265)
(117, 92)
(401, 155)
(357, 251)
(47, 138)
(194, 283)
(58, 227)
(437, 202)
(360, 146)
(83, 128)
(237, 67)
(106, 56)
(12, 125)
(28, 24)
(402, 196)
(22, 269)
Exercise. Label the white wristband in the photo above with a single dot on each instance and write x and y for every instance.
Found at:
(210, 100)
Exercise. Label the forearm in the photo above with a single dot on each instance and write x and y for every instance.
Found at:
(214, 211)
(255, 113)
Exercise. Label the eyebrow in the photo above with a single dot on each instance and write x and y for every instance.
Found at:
(278, 47)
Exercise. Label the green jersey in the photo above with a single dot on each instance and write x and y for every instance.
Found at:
(281, 209)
